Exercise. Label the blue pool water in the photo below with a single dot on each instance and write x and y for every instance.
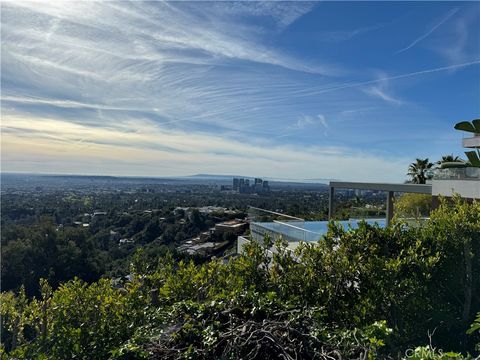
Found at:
(321, 227)
(304, 230)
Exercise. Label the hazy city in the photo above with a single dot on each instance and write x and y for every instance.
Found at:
(240, 180)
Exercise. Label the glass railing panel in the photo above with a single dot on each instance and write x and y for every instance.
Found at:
(262, 215)
(469, 173)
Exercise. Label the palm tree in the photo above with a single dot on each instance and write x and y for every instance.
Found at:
(418, 171)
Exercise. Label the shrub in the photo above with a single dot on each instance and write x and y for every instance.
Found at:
(363, 293)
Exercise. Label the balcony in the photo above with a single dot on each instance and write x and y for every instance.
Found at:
(471, 142)
(467, 173)
(462, 181)
(292, 229)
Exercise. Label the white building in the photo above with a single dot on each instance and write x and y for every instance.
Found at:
(464, 181)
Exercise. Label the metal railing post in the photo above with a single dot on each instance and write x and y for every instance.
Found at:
(389, 207)
(330, 202)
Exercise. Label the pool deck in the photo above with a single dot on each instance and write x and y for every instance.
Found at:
(389, 188)
(306, 231)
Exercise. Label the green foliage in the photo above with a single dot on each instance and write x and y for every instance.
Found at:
(475, 329)
(475, 325)
(60, 253)
(255, 326)
(360, 294)
(429, 353)
(75, 321)
(453, 233)
(418, 171)
(413, 205)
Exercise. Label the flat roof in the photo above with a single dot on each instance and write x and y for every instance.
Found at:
(407, 188)
(232, 223)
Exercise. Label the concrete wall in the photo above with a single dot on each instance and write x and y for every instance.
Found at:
(471, 142)
(236, 229)
(240, 242)
(465, 188)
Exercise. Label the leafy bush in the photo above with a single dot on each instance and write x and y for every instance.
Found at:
(429, 353)
(475, 329)
(75, 321)
(357, 294)
(413, 205)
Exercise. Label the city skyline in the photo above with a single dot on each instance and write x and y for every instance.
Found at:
(340, 90)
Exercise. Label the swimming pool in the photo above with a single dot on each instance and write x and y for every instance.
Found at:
(294, 231)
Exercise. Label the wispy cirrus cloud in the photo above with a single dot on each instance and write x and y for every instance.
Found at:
(168, 59)
(185, 34)
(380, 91)
(144, 145)
(345, 35)
(430, 31)
(361, 84)
(282, 12)
(323, 121)
(221, 85)
(303, 121)
(460, 40)
(310, 123)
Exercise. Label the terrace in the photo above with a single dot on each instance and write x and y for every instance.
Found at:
(466, 173)
(390, 188)
(461, 177)
(292, 229)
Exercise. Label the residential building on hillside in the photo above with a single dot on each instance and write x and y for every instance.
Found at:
(233, 226)
(463, 180)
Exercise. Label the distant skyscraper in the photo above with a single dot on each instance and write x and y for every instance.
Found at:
(236, 184)
(243, 186)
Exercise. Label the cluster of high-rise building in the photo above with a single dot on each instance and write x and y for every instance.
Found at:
(245, 186)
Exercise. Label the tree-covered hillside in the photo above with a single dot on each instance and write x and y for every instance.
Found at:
(361, 294)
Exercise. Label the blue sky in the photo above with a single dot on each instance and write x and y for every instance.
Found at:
(343, 90)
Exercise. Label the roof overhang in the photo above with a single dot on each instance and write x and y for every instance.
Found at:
(405, 188)
(471, 142)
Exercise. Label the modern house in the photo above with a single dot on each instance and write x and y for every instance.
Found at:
(452, 178)
(231, 227)
(291, 229)
(463, 179)
(456, 178)
(390, 188)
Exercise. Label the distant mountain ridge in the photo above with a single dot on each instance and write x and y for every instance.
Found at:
(215, 176)
(206, 179)
(230, 177)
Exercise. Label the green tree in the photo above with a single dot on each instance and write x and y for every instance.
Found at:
(453, 233)
(418, 171)
(344, 297)
(75, 321)
(413, 205)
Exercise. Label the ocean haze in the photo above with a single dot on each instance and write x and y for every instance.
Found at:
(16, 181)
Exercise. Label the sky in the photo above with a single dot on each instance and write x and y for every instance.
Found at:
(285, 90)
